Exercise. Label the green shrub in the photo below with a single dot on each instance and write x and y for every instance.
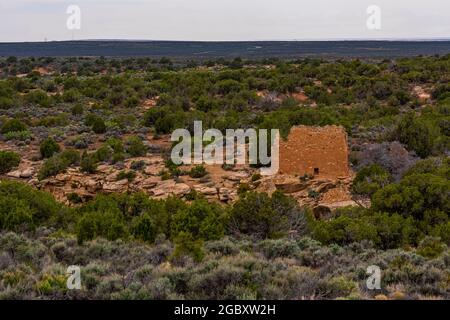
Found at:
(165, 175)
(138, 165)
(185, 244)
(435, 166)
(135, 147)
(313, 194)
(205, 103)
(153, 115)
(198, 171)
(227, 86)
(386, 231)
(38, 97)
(18, 135)
(132, 102)
(61, 120)
(8, 160)
(193, 195)
(88, 163)
(51, 284)
(103, 153)
(117, 216)
(431, 247)
(223, 246)
(77, 110)
(58, 163)
(71, 156)
(118, 157)
(98, 125)
(243, 188)
(89, 119)
(344, 230)
(7, 103)
(13, 125)
(338, 287)
(260, 216)
(52, 167)
(116, 145)
(256, 177)
(419, 135)
(74, 198)
(169, 122)
(129, 175)
(70, 95)
(48, 148)
(370, 179)
(143, 228)
(413, 195)
(201, 220)
(20, 203)
(106, 223)
(14, 214)
(279, 248)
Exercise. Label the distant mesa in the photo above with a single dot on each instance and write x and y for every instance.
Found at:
(244, 49)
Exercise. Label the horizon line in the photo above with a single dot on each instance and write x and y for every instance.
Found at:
(225, 41)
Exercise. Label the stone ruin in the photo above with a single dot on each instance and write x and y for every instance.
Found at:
(313, 170)
(315, 151)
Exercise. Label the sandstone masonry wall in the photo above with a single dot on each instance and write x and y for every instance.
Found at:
(319, 151)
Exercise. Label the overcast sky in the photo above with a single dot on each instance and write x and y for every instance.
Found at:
(37, 20)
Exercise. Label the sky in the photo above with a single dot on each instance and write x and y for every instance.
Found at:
(223, 20)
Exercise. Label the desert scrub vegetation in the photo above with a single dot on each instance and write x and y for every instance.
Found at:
(359, 95)
(33, 266)
(8, 160)
(48, 148)
(24, 208)
(135, 147)
(58, 163)
(13, 125)
(260, 247)
(198, 171)
(395, 220)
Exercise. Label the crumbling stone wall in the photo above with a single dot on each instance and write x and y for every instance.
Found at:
(318, 151)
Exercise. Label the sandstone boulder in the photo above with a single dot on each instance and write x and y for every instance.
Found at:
(153, 169)
(91, 185)
(27, 173)
(226, 194)
(149, 182)
(207, 191)
(236, 176)
(170, 187)
(290, 184)
(181, 189)
(117, 186)
(104, 168)
(62, 177)
(14, 174)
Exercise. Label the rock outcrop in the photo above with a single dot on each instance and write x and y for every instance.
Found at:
(312, 192)
(321, 192)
